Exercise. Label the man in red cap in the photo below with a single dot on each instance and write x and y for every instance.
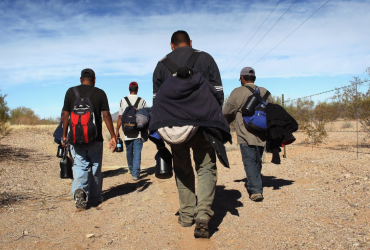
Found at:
(133, 139)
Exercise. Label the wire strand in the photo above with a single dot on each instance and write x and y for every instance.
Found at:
(255, 33)
(247, 37)
(265, 35)
(291, 32)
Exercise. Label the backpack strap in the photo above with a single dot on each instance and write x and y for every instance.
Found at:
(128, 102)
(250, 88)
(77, 93)
(136, 105)
(266, 95)
(193, 58)
(170, 65)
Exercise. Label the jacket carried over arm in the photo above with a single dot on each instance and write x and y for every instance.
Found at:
(181, 103)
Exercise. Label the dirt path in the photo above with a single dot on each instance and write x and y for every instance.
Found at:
(318, 198)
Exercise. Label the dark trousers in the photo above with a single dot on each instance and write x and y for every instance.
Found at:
(252, 159)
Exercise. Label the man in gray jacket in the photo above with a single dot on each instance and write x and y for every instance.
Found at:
(251, 144)
(193, 207)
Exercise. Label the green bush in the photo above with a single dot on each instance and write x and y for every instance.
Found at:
(4, 117)
(23, 116)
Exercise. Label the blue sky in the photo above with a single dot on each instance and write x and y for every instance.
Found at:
(44, 45)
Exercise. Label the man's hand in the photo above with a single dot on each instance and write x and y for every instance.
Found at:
(64, 141)
(112, 144)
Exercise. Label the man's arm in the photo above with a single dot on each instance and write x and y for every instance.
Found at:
(109, 123)
(215, 80)
(230, 109)
(119, 122)
(157, 79)
(65, 116)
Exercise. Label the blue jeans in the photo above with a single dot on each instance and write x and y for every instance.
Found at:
(252, 159)
(133, 155)
(87, 173)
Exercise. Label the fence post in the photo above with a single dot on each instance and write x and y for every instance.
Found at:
(357, 120)
(282, 104)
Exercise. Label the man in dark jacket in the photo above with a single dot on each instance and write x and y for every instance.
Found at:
(193, 208)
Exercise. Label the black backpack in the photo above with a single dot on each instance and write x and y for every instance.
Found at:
(82, 128)
(128, 118)
(182, 72)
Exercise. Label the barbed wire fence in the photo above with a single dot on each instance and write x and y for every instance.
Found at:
(304, 111)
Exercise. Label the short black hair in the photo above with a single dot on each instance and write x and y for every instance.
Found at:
(88, 78)
(133, 89)
(249, 78)
(180, 36)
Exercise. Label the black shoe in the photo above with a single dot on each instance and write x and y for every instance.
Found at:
(80, 199)
(201, 229)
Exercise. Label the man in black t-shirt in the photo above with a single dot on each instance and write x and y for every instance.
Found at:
(88, 159)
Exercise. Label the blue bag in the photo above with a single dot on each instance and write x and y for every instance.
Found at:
(254, 110)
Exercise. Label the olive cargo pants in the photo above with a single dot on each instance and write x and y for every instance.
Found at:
(195, 206)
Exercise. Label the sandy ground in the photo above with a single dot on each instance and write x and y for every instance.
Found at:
(318, 198)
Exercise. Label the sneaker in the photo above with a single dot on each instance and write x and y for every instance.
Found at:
(80, 199)
(135, 178)
(185, 224)
(201, 229)
(256, 197)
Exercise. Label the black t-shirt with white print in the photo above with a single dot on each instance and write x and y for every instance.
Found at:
(98, 99)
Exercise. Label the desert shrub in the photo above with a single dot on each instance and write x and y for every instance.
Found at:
(346, 125)
(277, 100)
(23, 116)
(355, 104)
(49, 121)
(4, 117)
(311, 119)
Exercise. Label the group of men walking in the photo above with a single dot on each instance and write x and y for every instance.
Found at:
(204, 132)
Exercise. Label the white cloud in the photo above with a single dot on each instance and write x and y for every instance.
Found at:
(56, 40)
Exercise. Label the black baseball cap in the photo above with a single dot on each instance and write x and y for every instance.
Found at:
(88, 73)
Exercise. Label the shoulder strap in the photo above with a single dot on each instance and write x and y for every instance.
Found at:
(128, 102)
(250, 88)
(170, 65)
(193, 58)
(266, 95)
(90, 92)
(136, 105)
(77, 93)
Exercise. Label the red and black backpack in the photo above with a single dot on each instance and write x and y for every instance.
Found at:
(82, 128)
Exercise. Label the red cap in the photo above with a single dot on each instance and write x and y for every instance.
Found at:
(134, 84)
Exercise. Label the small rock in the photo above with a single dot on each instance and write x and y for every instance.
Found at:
(25, 232)
(90, 235)
(347, 176)
(110, 242)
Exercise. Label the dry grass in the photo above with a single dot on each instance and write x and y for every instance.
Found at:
(33, 128)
